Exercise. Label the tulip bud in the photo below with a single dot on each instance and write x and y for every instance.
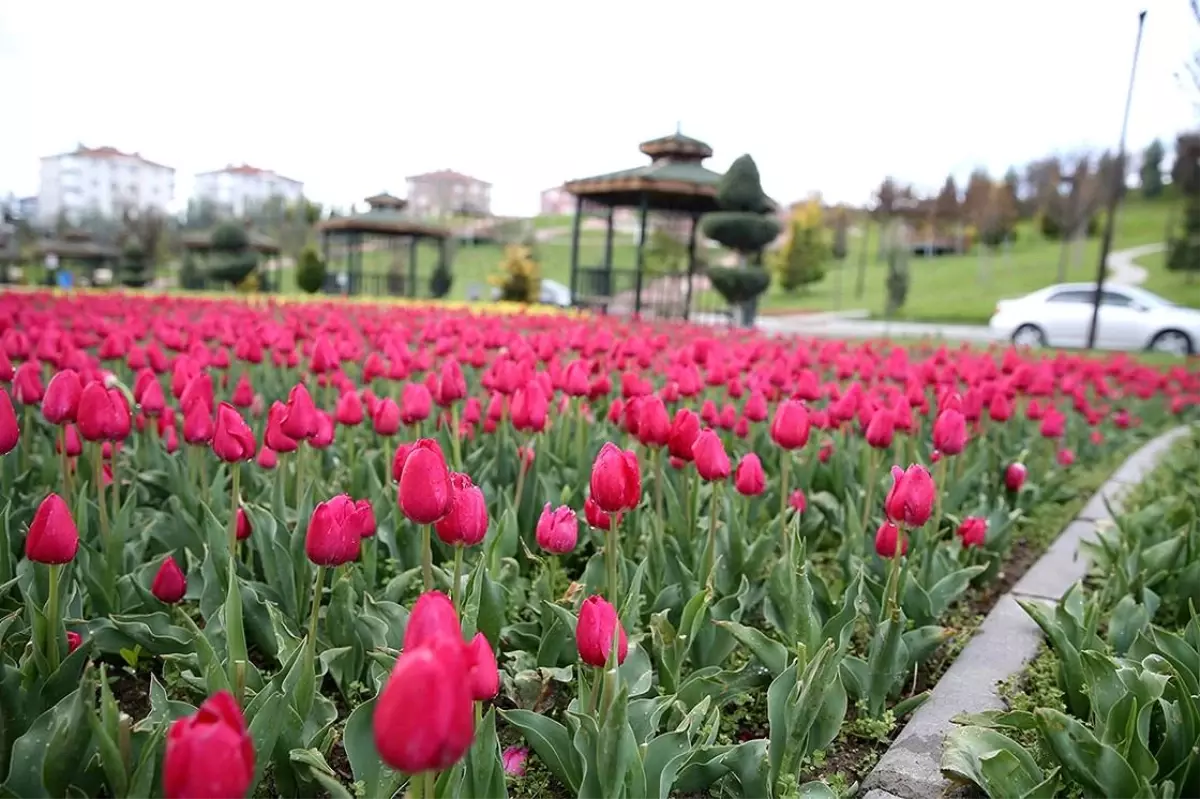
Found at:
(9, 432)
(886, 539)
(349, 411)
(74, 640)
(170, 583)
(209, 753)
(514, 758)
(482, 673)
(333, 536)
(911, 497)
(708, 452)
(425, 493)
(594, 633)
(415, 403)
(684, 429)
(243, 525)
(972, 531)
(950, 432)
(386, 418)
(558, 530)
(791, 425)
(616, 482)
(881, 429)
(432, 616)
(198, 424)
(798, 501)
(1065, 457)
(1014, 476)
(53, 537)
(467, 522)
(61, 400)
(233, 440)
(300, 420)
(749, 480)
(274, 438)
(597, 517)
(424, 716)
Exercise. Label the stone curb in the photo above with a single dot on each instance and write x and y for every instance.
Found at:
(1006, 641)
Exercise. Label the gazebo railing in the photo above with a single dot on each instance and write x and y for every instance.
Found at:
(656, 295)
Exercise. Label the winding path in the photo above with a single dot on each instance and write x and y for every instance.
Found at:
(1121, 266)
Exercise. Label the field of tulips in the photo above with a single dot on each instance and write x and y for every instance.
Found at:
(346, 550)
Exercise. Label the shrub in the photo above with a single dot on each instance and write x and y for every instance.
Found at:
(310, 271)
(230, 237)
(897, 261)
(519, 278)
(442, 279)
(230, 258)
(802, 259)
(136, 269)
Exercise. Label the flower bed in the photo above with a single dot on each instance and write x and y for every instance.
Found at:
(1110, 707)
(368, 549)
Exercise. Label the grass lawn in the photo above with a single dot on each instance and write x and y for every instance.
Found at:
(1180, 288)
(965, 288)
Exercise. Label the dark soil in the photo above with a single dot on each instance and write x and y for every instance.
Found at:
(132, 691)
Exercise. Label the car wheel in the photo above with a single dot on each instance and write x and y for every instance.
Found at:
(1029, 336)
(1173, 342)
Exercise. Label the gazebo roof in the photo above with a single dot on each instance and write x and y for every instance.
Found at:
(383, 200)
(678, 147)
(202, 240)
(667, 184)
(384, 223)
(75, 248)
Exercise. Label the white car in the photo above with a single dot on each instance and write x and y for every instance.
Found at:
(551, 292)
(1130, 319)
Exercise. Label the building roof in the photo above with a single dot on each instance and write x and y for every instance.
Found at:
(385, 200)
(382, 222)
(246, 169)
(447, 174)
(76, 248)
(106, 152)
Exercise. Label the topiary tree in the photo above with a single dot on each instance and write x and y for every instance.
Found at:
(310, 271)
(442, 279)
(745, 224)
(802, 259)
(897, 262)
(231, 259)
(136, 270)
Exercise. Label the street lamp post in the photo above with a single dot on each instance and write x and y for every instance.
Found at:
(1114, 196)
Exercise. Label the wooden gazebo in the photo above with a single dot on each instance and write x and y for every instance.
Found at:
(384, 229)
(199, 244)
(77, 248)
(675, 184)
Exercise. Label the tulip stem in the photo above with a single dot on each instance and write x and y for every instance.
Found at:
(893, 601)
(551, 575)
(612, 558)
(656, 455)
(693, 483)
(869, 497)
(66, 463)
(939, 482)
(52, 619)
(710, 551)
(455, 444)
(785, 540)
(315, 613)
(234, 503)
(27, 438)
(580, 438)
(98, 476)
(455, 591)
(427, 556)
(520, 488)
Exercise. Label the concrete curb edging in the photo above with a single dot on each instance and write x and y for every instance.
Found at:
(1006, 641)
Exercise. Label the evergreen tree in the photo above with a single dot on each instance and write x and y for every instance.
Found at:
(802, 259)
(1183, 251)
(310, 271)
(1151, 172)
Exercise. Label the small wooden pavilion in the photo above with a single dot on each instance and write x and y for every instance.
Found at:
(199, 245)
(383, 234)
(77, 249)
(676, 185)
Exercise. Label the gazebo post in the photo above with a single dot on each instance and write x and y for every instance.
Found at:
(412, 267)
(641, 254)
(608, 238)
(354, 264)
(575, 229)
(691, 273)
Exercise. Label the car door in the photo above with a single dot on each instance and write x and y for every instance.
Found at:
(1123, 323)
(1066, 315)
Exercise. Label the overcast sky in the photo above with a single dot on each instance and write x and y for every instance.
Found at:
(352, 96)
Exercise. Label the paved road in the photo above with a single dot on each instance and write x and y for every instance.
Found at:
(852, 324)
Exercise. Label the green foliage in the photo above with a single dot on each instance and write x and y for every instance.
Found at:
(741, 188)
(802, 259)
(897, 263)
(442, 279)
(665, 254)
(137, 270)
(737, 284)
(230, 237)
(1151, 171)
(742, 232)
(230, 258)
(310, 271)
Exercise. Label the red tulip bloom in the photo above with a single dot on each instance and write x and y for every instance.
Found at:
(151, 399)
(950, 432)
(653, 422)
(61, 400)
(1054, 423)
(482, 673)
(798, 501)
(425, 493)
(596, 517)
(198, 424)
(323, 438)
(169, 584)
(791, 425)
(243, 525)
(300, 419)
(881, 429)
(274, 437)
(750, 480)
(349, 411)
(684, 429)
(27, 384)
(1014, 476)
(74, 641)
(708, 452)
(529, 408)
(53, 537)
(598, 623)
(911, 498)
(232, 440)
(886, 539)
(333, 536)
(243, 392)
(386, 418)
(972, 531)
(95, 416)
(424, 716)
(9, 432)
(467, 522)
(1065, 457)
(209, 754)
(432, 616)
(756, 407)
(557, 530)
(453, 386)
(267, 458)
(616, 482)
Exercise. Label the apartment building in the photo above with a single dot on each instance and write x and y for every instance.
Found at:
(448, 193)
(101, 180)
(234, 189)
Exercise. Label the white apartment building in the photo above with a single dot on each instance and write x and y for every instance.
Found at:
(234, 189)
(101, 180)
